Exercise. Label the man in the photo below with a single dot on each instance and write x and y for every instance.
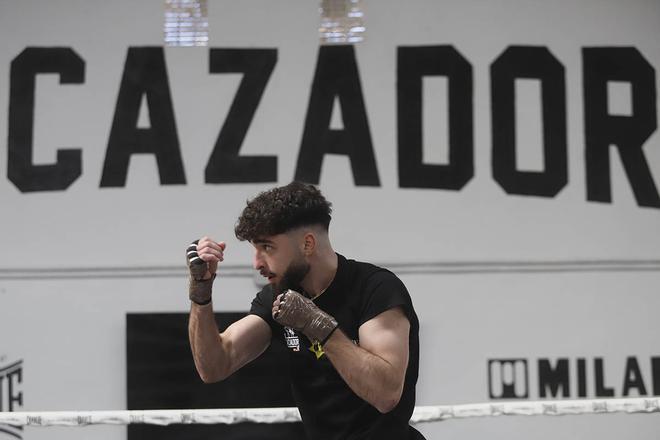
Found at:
(350, 327)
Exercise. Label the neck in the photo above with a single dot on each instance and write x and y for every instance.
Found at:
(321, 273)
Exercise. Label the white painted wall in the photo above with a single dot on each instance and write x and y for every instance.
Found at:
(77, 360)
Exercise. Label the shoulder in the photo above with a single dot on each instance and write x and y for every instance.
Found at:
(380, 290)
(265, 294)
(262, 304)
(371, 276)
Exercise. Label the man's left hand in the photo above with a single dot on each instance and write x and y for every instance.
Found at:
(293, 310)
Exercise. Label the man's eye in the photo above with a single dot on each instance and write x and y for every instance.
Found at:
(267, 247)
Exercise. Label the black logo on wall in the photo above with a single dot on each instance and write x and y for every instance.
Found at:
(337, 77)
(11, 395)
(563, 378)
(508, 379)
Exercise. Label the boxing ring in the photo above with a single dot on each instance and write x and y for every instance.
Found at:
(422, 414)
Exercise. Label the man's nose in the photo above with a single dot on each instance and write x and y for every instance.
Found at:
(257, 263)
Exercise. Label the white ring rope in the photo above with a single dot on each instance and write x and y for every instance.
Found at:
(421, 414)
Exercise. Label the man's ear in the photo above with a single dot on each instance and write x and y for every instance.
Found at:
(309, 243)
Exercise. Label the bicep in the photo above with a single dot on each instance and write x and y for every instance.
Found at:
(386, 335)
(245, 340)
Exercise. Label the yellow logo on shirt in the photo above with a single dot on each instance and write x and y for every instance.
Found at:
(317, 349)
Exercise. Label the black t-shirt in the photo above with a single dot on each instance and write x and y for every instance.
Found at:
(330, 410)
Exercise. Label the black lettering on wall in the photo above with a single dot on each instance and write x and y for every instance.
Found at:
(414, 63)
(633, 378)
(655, 373)
(537, 63)
(627, 133)
(225, 165)
(145, 74)
(601, 389)
(582, 377)
(14, 378)
(26, 176)
(553, 378)
(337, 76)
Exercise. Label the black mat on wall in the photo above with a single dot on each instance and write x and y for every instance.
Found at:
(161, 375)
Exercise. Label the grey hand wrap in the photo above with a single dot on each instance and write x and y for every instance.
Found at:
(199, 289)
(302, 314)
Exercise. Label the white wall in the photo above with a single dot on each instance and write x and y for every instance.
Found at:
(69, 331)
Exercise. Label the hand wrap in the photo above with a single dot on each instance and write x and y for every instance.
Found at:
(302, 314)
(199, 289)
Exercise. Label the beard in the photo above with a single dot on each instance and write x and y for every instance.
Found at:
(293, 276)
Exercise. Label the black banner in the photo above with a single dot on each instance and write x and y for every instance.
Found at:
(161, 375)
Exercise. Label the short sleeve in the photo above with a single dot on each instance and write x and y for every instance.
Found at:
(262, 306)
(383, 291)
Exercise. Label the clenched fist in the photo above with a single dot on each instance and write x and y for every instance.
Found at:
(202, 257)
(291, 309)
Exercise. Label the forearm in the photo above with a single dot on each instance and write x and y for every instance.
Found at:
(209, 351)
(371, 377)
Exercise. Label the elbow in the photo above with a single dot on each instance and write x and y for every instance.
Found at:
(387, 405)
(210, 378)
(211, 368)
(389, 402)
(212, 375)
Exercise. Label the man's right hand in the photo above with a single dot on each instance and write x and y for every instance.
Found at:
(202, 257)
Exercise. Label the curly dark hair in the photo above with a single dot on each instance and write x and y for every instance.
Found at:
(281, 209)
